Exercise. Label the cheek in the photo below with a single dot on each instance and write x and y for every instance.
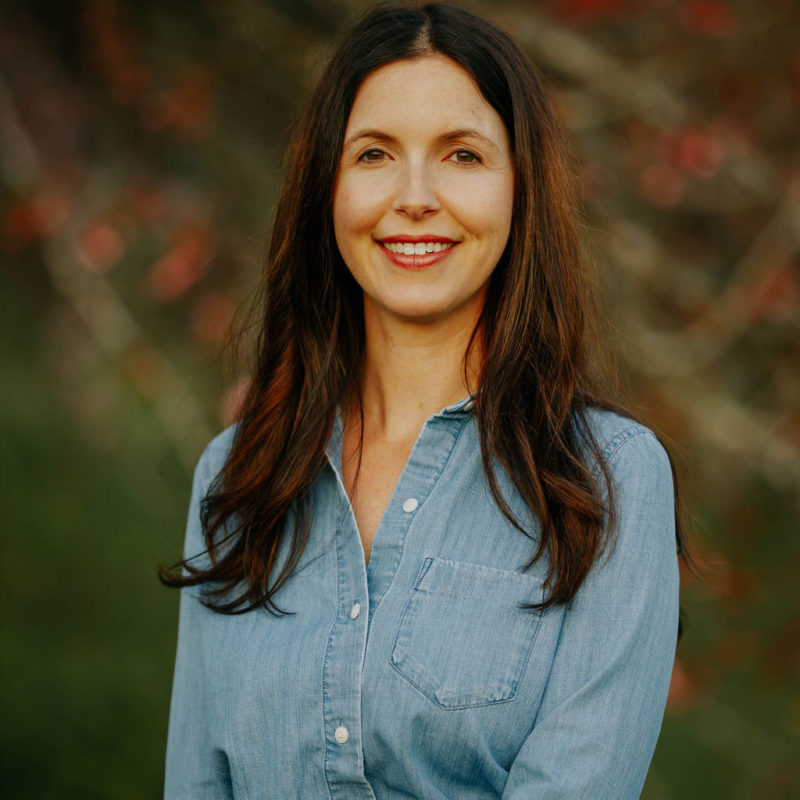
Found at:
(502, 208)
(345, 214)
(485, 211)
(357, 207)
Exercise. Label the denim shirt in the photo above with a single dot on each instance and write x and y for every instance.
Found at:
(417, 675)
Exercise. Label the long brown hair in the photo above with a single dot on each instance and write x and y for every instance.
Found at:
(539, 376)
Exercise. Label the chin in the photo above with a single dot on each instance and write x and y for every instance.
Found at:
(422, 312)
(424, 305)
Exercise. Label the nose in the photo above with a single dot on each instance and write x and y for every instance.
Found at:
(416, 194)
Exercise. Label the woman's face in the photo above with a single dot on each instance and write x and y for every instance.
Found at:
(424, 192)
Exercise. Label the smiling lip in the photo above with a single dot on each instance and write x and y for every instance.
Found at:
(417, 260)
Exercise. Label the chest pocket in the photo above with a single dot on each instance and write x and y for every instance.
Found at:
(462, 639)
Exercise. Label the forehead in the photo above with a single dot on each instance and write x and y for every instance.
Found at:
(433, 89)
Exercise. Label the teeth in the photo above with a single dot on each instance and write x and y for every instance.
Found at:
(418, 248)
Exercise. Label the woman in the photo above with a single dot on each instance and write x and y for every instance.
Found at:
(429, 560)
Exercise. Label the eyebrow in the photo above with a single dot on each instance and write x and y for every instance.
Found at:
(449, 136)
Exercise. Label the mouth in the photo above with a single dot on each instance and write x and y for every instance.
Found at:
(416, 252)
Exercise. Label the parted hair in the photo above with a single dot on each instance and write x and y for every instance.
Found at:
(541, 368)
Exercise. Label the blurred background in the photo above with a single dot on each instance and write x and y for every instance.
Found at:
(140, 161)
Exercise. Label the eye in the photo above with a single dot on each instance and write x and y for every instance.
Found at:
(465, 157)
(372, 156)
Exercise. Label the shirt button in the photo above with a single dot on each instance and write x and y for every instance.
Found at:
(341, 735)
(410, 505)
(355, 610)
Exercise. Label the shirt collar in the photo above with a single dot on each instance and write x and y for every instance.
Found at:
(463, 406)
(334, 450)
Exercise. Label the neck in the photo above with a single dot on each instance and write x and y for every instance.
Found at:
(412, 370)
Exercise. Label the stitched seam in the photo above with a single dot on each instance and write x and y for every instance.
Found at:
(621, 445)
(613, 445)
(405, 536)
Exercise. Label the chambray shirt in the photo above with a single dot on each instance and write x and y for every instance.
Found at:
(417, 675)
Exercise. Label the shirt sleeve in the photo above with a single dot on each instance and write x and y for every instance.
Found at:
(603, 705)
(196, 767)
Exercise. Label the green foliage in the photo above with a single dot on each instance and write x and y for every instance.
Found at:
(88, 637)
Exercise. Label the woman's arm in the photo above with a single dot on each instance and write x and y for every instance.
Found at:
(196, 767)
(601, 712)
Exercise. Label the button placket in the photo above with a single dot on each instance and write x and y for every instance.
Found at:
(427, 460)
(343, 665)
(341, 734)
(412, 504)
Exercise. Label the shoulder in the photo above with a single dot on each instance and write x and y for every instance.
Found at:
(636, 464)
(640, 477)
(208, 466)
(215, 454)
(622, 442)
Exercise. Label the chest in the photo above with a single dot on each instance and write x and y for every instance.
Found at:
(420, 665)
(371, 483)
(391, 678)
